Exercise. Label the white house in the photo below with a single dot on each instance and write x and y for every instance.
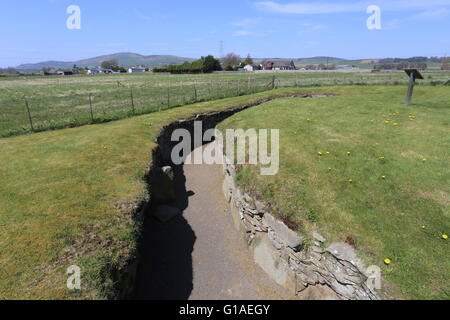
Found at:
(93, 71)
(249, 68)
(136, 70)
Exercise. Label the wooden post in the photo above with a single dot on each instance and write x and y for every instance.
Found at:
(238, 88)
(182, 92)
(412, 81)
(195, 92)
(132, 100)
(90, 105)
(29, 114)
(168, 96)
(273, 82)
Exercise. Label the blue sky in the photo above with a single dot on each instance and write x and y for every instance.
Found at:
(35, 30)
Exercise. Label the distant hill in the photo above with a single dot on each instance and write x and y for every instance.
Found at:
(126, 59)
(362, 63)
(311, 60)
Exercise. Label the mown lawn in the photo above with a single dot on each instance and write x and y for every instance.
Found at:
(67, 198)
(364, 168)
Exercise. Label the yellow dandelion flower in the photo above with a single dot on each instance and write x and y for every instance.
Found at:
(381, 158)
(424, 159)
(395, 124)
(424, 227)
(349, 153)
(328, 153)
(319, 153)
(445, 237)
(350, 180)
(387, 261)
(383, 177)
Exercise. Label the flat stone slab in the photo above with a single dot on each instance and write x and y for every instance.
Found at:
(165, 213)
(317, 236)
(345, 252)
(289, 237)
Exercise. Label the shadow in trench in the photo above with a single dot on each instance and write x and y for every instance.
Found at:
(165, 267)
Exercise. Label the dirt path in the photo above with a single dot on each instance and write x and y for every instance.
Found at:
(200, 255)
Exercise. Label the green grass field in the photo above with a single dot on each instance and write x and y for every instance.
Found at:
(68, 198)
(57, 102)
(68, 195)
(367, 170)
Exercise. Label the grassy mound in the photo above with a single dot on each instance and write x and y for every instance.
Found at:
(365, 169)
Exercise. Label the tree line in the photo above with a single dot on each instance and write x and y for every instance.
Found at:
(417, 59)
(206, 64)
(401, 66)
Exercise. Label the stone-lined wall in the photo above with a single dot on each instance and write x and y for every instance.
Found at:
(276, 248)
(157, 176)
(282, 254)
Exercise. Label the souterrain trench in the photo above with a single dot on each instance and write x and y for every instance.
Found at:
(197, 254)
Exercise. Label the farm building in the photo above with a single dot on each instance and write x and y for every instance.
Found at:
(93, 71)
(279, 65)
(59, 72)
(136, 70)
(99, 71)
(249, 68)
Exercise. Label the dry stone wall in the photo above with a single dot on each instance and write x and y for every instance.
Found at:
(281, 252)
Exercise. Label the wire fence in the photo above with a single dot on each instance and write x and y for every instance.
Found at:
(58, 105)
(46, 112)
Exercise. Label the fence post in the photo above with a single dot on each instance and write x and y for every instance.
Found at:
(29, 114)
(168, 96)
(182, 93)
(238, 88)
(90, 105)
(195, 92)
(273, 82)
(132, 100)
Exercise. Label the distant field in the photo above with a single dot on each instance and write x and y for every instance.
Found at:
(57, 102)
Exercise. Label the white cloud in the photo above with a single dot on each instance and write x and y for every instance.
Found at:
(306, 8)
(348, 7)
(312, 27)
(434, 14)
(242, 33)
(248, 22)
